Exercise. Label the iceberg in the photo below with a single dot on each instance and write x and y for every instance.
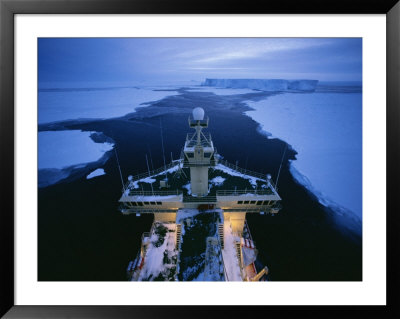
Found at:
(220, 91)
(264, 84)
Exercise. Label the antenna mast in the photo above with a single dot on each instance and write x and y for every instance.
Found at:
(148, 169)
(280, 166)
(162, 145)
(119, 168)
(151, 157)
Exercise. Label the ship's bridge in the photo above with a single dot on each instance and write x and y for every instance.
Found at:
(200, 179)
(199, 148)
(199, 154)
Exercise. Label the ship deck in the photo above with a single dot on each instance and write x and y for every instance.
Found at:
(224, 176)
(160, 255)
(229, 254)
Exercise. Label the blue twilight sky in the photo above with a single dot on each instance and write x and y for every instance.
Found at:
(135, 60)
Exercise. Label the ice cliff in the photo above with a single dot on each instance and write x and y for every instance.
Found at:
(264, 84)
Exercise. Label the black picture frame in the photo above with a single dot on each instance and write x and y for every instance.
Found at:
(8, 8)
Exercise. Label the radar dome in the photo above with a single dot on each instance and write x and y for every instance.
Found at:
(198, 114)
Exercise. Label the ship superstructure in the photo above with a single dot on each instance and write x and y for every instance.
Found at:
(199, 203)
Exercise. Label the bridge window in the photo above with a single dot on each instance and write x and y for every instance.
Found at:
(253, 202)
(152, 203)
(190, 155)
(246, 202)
(259, 202)
(266, 202)
(146, 203)
(133, 203)
(159, 203)
(140, 203)
(240, 202)
(207, 155)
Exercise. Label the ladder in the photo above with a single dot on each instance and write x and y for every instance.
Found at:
(221, 234)
(178, 235)
(239, 253)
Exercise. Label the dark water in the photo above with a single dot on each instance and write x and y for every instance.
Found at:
(83, 237)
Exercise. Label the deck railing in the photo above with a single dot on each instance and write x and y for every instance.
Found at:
(184, 163)
(152, 173)
(205, 199)
(155, 193)
(191, 140)
(243, 171)
(205, 162)
(145, 210)
(244, 191)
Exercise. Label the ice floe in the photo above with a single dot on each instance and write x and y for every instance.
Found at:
(326, 131)
(95, 173)
(94, 103)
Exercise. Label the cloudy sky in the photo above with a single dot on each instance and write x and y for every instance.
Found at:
(182, 59)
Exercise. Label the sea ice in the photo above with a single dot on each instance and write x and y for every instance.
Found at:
(61, 149)
(97, 103)
(326, 131)
(95, 173)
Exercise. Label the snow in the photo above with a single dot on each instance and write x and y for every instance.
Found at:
(95, 173)
(151, 180)
(263, 84)
(155, 198)
(229, 254)
(221, 91)
(154, 264)
(148, 180)
(213, 268)
(229, 171)
(99, 103)
(189, 189)
(326, 131)
(185, 213)
(248, 195)
(61, 149)
(217, 181)
(170, 170)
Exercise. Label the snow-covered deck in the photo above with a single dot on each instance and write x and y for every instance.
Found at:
(229, 254)
(161, 255)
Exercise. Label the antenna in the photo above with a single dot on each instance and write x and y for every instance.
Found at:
(151, 157)
(280, 166)
(162, 145)
(148, 169)
(119, 167)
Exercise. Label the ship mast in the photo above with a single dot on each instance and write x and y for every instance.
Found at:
(199, 153)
